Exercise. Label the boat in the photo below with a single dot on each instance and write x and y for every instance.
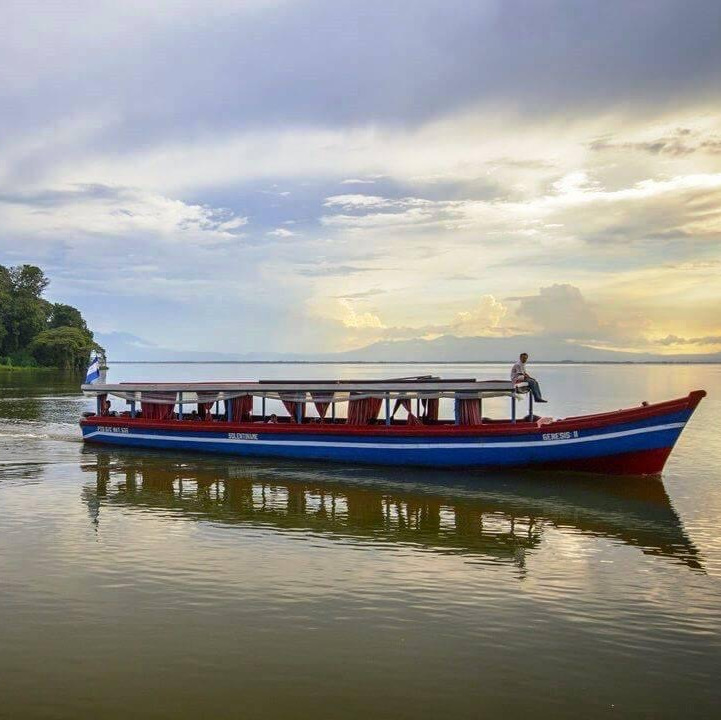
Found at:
(232, 418)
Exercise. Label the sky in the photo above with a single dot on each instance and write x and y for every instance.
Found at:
(318, 175)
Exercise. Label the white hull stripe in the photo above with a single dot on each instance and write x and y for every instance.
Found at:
(393, 445)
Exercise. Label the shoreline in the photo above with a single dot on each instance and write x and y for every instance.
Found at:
(26, 368)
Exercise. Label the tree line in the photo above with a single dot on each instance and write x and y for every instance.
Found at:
(36, 332)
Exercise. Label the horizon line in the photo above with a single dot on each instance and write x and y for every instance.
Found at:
(410, 362)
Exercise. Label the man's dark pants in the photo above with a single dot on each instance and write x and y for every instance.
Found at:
(534, 388)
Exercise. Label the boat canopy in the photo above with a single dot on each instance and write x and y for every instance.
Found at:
(326, 391)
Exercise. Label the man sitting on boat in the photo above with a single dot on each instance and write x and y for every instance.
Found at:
(519, 375)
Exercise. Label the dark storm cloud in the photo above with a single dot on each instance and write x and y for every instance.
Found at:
(347, 62)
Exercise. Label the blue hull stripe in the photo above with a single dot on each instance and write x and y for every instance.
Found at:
(312, 443)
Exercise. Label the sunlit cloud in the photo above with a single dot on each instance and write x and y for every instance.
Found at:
(483, 319)
(353, 319)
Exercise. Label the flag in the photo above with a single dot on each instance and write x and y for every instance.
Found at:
(93, 373)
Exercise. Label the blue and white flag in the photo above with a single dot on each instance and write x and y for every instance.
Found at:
(93, 373)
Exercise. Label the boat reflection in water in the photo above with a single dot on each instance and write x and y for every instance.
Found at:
(502, 518)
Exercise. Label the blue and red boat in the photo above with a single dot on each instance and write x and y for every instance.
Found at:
(388, 422)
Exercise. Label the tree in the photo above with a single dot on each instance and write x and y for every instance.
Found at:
(5, 290)
(6, 281)
(28, 279)
(32, 329)
(23, 313)
(63, 347)
(66, 316)
(23, 317)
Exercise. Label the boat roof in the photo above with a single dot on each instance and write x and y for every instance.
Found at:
(427, 386)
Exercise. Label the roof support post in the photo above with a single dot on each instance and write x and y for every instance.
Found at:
(530, 406)
(133, 412)
(388, 408)
(262, 408)
(332, 411)
(99, 404)
(513, 408)
(456, 411)
(180, 406)
(299, 412)
(228, 409)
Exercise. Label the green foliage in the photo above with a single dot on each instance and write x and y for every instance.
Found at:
(22, 358)
(66, 316)
(6, 282)
(23, 317)
(63, 347)
(5, 292)
(34, 331)
(28, 280)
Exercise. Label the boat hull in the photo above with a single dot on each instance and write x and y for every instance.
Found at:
(636, 441)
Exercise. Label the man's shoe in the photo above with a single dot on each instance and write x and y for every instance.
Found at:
(541, 401)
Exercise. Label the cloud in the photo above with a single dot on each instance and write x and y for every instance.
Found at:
(281, 233)
(357, 201)
(676, 340)
(408, 218)
(492, 165)
(362, 202)
(389, 212)
(356, 320)
(560, 311)
(233, 224)
(53, 197)
(676, 143)
(86, 212)
(361, 294)
(169, 64)
(357, 181)
(543, 315)
(326, 269)
(576, 204)
(484, 319)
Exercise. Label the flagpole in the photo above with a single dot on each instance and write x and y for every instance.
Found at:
(103, 367)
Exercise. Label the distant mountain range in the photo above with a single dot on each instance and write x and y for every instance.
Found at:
(448, 348)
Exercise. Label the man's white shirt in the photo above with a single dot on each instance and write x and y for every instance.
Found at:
(518, 369)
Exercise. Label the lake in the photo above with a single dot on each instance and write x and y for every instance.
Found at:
(151, 585)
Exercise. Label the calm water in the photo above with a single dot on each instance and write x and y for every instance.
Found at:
(147, 585)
